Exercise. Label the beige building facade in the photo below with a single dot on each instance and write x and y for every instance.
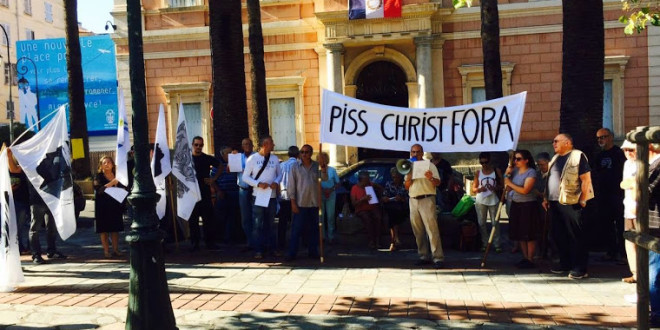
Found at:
(430, 57)
(25, 20)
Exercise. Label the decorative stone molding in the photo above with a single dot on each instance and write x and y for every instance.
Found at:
(472, 76)
(289, 87)
(193, 92)
(379, 53)
(615, 67)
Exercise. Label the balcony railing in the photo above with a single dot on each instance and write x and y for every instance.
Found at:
(184, 3)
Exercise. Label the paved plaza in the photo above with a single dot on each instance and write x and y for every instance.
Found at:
(354, 288)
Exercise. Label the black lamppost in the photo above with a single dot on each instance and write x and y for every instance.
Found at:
(10, 102)
(109, 24)
(149, 304)
(24, 83)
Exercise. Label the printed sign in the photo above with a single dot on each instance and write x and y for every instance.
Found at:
(43, 81)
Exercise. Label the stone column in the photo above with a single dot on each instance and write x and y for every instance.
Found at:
(438, 73)
(335, 75)
(424, 71)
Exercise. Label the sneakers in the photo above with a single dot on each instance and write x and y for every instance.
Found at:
(577, 275)
(56, 255)
(37, 259)
(559, 270)
(438, 264)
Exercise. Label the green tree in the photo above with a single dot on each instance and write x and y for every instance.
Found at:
(230, 123)
(77, 113)
(638, 14)
(257, 71)
(583, 61)
(19, 129)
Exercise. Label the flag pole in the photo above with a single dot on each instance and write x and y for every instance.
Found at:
(321, 208)
(174, 222)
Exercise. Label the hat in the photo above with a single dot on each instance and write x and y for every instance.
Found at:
(628, 145)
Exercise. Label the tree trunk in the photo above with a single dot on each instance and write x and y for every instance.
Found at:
(230, 123)
(77, 113)
(583, 61)
(490, 45)
(257, 71)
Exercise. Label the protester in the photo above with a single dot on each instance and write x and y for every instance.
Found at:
(567, 191)
(304, 195)
(245, 195)
(395, 202)
(226, 199)
(284, 215)
(262, 170)
(21, 192)
(423, 216)
(629, 186)
(445, 171)
(42, 217)
(524, 221)
(607, 172)
(364, 209)
(107, 210)
(547, 243)
(487, 183)
(654, 224)
(329, 184)
(204, 208)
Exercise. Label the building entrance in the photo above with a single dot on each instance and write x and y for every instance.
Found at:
(382, 82)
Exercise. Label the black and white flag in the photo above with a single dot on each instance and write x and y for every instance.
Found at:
(46, 161)
(11, 274)
(183, 168)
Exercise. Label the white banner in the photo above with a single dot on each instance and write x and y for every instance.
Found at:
(492, 125)
(123, 143)
(11, 273)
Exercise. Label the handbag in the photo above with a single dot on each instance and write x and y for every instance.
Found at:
(463, 207)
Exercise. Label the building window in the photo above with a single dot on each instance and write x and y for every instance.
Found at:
(472, 77)
(13, 74)
(27, 7)
(193, 112)
(196, 106)
(285, 111)
(283, 116)
(4, 3)
(184, 3)
(613, 116)
(29, 34)
(48, 12)
(6, 38)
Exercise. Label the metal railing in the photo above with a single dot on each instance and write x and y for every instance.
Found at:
(644, 242)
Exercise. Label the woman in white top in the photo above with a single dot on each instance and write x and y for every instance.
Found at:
(487, 182)
(628, 184)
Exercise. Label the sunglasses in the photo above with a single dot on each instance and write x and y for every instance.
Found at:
(518, 159)
(198, 144)
(483, 163)
(629, 150)
(602, 137)
(305, 151)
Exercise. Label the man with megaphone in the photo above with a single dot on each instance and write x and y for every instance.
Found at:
(423, 218)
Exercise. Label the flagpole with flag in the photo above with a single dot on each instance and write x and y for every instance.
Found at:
(123, 142)
(161, 168)
(46, 161)
(188, 193)
(11, 273)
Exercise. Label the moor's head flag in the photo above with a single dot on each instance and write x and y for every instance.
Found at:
(123, 142)
(183, 168)
(46, 161)
(160, 163)
(11, 273)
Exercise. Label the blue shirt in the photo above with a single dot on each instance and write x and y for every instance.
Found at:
(285, 168)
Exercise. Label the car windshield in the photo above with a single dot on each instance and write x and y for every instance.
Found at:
(378, 173)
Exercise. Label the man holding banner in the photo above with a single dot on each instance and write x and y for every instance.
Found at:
(423, 217)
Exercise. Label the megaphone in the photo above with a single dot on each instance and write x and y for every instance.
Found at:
(404, 166)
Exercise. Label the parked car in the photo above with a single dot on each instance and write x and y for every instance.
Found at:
(379, 173)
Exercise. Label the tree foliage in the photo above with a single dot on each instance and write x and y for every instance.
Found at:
(638, 14)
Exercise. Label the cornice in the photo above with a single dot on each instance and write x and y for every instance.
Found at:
(554, 28)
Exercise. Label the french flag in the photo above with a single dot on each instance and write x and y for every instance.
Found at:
(359, 9)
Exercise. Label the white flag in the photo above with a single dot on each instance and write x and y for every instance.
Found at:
(187, 190)
(123, 142)
(46, 161)
(160, 163)
(11, 273)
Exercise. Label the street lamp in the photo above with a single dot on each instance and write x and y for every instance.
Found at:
(109, 24)
(24, 84)
(149, 305)
(10, 102)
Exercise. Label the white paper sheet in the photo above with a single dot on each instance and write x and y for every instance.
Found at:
(119, 194)
(420, 167)
(262, 196)
(235, 163)
(371, 192)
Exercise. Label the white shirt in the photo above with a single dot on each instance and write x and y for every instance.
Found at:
(272, 172)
